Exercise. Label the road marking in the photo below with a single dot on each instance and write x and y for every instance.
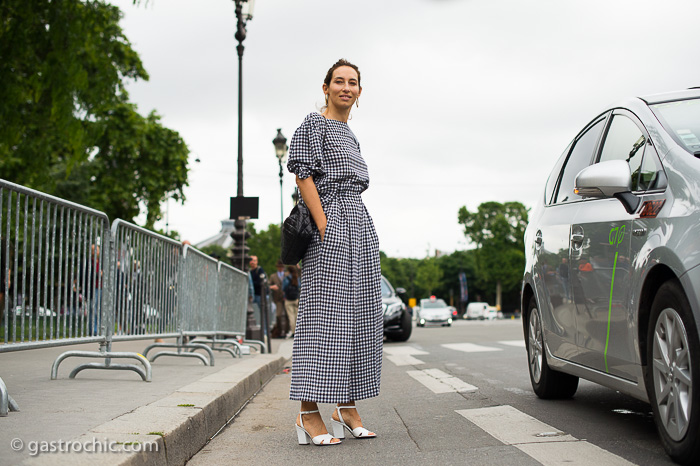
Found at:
(470, 347)
(519, 391)
(537, 439)
(517, 343)
(403, 355)
(440, 382)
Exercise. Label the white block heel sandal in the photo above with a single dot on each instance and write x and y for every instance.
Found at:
(305, 437)
(357, 432)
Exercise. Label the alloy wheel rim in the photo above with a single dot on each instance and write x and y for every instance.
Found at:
(672, 377)
(535, 346)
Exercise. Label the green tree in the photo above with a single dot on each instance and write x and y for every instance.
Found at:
(267, 245)
(497, 230)
(451, 265)
(67, 126)
(428, 276)
(216, 251)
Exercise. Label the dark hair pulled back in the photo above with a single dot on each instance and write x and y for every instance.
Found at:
(338, 64)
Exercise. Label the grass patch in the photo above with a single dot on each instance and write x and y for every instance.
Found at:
(156, 433)
(186, 405)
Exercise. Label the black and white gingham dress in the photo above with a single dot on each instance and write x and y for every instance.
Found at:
(337, 353)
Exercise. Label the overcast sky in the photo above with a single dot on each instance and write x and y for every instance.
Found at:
(463, 102)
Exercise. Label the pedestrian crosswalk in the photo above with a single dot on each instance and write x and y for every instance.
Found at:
(403, 355)
(438, 381)
(538, 440)
(470, 347)
(544, 443)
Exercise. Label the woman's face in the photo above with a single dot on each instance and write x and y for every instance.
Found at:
(344, 88)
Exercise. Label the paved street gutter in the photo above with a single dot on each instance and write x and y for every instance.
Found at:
(171, 430)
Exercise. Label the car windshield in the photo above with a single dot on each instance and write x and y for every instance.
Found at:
(433, 304)
(386, 289)
(682, 120)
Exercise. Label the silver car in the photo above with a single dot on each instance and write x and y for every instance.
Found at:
(434, 311)
(611, 290)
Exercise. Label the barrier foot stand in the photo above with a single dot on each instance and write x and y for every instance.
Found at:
(145, 372)
(6, 402)
(213, 342)
(180, 353)
(263, 348)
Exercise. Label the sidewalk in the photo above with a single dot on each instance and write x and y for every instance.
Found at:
(184, 405)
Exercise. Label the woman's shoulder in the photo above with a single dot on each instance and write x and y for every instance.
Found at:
(314, 119)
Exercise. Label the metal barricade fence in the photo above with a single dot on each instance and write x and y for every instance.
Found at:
(52, 268)
(145, 273)
(232, 301)
(198, 309)
(67, 278)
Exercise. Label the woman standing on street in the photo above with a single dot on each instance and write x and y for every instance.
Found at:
(337, 352)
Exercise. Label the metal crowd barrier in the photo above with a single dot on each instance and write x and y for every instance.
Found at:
(52, 269)
(67, 278)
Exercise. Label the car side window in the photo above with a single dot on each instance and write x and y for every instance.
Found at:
(651, 174)
(625, 141)
(554, 177)
(579, 158)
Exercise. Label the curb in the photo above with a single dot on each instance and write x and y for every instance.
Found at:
(173, 429)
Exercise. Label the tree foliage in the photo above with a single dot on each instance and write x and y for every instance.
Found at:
(67, 126)
(267, 245)
(497, 230)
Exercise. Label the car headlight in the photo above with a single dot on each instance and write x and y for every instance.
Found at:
(391, 309)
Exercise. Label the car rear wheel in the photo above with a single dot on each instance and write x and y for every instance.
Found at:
(406, 328)
(672, 356)
(546, 383)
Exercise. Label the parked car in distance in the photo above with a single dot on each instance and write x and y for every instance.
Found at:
(476, 310)
(491, 313)
(434, 311)
(612, 271)
(398, 319)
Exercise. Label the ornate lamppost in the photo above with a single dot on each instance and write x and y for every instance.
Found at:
(281, 149)
(244, 13)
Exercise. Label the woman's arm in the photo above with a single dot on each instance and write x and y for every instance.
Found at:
(308, 191)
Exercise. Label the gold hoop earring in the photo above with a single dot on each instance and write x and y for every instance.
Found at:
(326, 99)
(357, 102)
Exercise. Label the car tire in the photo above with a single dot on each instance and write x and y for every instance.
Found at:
(406, 328)
(546, 382)
(673, 369)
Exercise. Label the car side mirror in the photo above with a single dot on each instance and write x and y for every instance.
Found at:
(605, 180)
(400, 290)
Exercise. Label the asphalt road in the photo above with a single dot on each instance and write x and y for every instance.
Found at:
(458, 395)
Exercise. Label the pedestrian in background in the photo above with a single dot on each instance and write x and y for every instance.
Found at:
(256, 274)
(281, 322)
(337, 353)
(290, 287)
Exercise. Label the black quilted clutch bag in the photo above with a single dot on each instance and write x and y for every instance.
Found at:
(297, 231)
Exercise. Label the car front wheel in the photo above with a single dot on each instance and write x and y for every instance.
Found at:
(546, 383)
(672, 356)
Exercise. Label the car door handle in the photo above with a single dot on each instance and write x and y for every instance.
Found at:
(538, 238)
(577, 235)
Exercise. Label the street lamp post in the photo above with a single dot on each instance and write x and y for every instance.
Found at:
(281, 148)
(244, 13)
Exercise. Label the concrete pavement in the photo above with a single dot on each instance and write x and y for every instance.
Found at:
(113, 417)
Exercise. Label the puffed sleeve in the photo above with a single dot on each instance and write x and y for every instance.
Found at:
(305, 150)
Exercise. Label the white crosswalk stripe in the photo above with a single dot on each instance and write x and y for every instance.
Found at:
(516, 343)
(440, 382)
(470, 347)
(537, 439)
(403, 355)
